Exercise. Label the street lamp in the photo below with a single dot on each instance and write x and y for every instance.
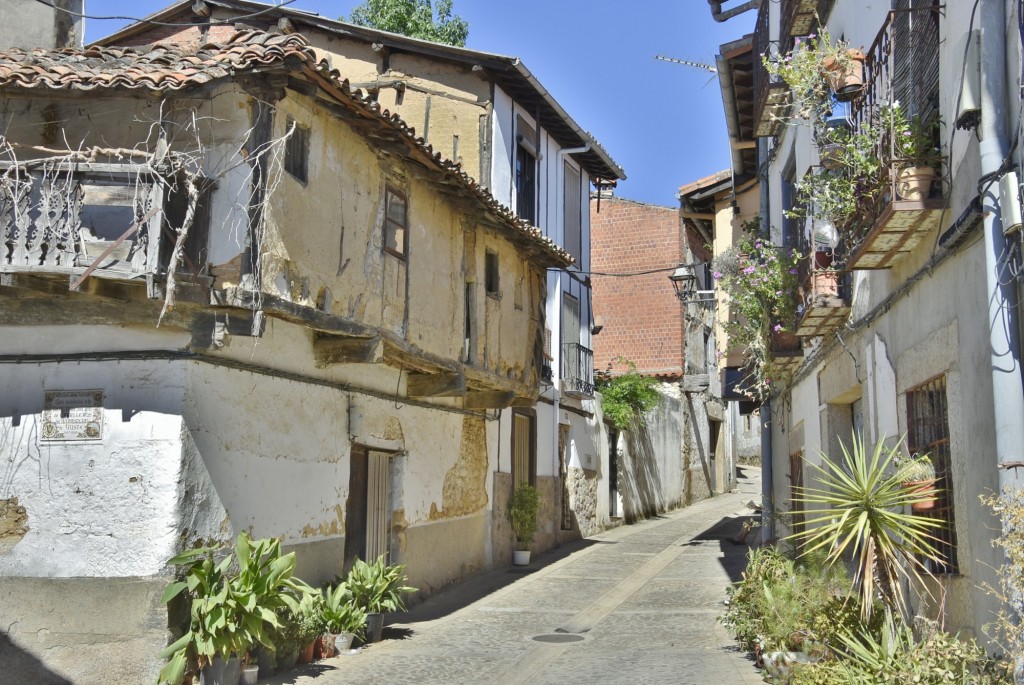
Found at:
(684, 282)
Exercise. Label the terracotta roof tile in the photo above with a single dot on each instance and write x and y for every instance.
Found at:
(167, 67)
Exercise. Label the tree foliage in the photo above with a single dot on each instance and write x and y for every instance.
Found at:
(413, 18)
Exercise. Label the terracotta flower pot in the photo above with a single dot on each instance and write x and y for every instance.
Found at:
(847, 79)
(922, 487)
(306, 653)
(915, 182)
(323, 647)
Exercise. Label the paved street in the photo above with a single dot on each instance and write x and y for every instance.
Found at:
(637, 604)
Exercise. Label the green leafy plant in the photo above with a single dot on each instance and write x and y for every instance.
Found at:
(523, 508)
(626, 397)
(377, 587)
(916, 138)
(859, 507)
(234, 602)
(340, 612)
(309, 618)
(744, 616)
(760, 281)
(913, 469)
(414, 18)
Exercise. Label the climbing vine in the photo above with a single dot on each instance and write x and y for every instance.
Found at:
(626, 397)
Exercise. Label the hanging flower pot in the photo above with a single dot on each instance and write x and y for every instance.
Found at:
(845, 74)
(915, 182)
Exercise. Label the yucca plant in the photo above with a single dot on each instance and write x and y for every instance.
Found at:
(860, 507)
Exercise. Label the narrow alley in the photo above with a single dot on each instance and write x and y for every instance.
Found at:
(636, 604)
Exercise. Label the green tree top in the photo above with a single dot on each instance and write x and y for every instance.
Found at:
(413, 18)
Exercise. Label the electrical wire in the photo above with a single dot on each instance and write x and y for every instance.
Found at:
(624, 274)
(153, 22)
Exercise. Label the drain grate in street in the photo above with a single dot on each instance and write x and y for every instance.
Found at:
(558, 638)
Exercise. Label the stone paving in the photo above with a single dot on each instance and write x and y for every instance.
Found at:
(636, 604)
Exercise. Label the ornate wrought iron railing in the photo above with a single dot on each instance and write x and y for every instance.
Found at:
(577, 369)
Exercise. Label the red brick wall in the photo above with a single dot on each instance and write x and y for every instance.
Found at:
(643, 320)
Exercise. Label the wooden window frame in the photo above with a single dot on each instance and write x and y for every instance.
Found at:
(391, 226)
(572, 211)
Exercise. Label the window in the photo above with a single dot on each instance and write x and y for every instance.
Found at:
(296, 152)
(526, 172)
(928, 433)
(491, 275)
(469, 332)
(523, 448)
(396, 222)
(571, 214)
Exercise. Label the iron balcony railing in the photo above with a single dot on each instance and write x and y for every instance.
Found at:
(577, 369)
(771, 95)
(901, 69)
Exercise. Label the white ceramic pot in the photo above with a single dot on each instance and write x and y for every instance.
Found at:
(343, 642)
(521, 557)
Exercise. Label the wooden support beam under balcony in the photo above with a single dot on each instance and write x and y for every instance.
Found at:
(435, 385)
(825, 308)
(489, 399)
(900, 228)
(334, 349)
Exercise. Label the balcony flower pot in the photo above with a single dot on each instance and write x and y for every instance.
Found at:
(915, 182)
(845, 73)
(922, 488)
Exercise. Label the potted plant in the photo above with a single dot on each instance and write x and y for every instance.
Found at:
(234, 605)
(309, 626)
(917, 475)
(523, 509)
(816, 69)
(287, 640)
(915, 143)
(844, 68)
(342, 618)
(377, 588)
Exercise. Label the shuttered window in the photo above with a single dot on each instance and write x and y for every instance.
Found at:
(396, 222)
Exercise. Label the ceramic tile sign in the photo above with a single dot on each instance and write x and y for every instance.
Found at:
(72, 416)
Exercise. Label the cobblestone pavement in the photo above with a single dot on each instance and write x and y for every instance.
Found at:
(636, 604)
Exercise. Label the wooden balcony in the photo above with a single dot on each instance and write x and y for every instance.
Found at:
(904, 218)
(800, 17)
(105, 221)
(825, 303)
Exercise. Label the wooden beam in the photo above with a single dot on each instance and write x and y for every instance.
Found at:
(335, 349)
(489, 400)
(435, 385)
(743, 144)
(523, 402)
(697, 382)
(280, 308)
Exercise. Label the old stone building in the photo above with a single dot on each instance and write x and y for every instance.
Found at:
(238, 296)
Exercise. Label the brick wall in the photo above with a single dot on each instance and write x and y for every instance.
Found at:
(643, 320)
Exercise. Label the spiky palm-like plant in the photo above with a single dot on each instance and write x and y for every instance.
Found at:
(859, 506)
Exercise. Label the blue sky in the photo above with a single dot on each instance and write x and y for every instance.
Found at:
(661, 122)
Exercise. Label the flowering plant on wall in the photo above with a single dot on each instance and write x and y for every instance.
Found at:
(760, 281)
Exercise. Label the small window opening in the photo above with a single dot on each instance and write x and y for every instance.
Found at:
(491, 277)
(396, 222)
(296, 152)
